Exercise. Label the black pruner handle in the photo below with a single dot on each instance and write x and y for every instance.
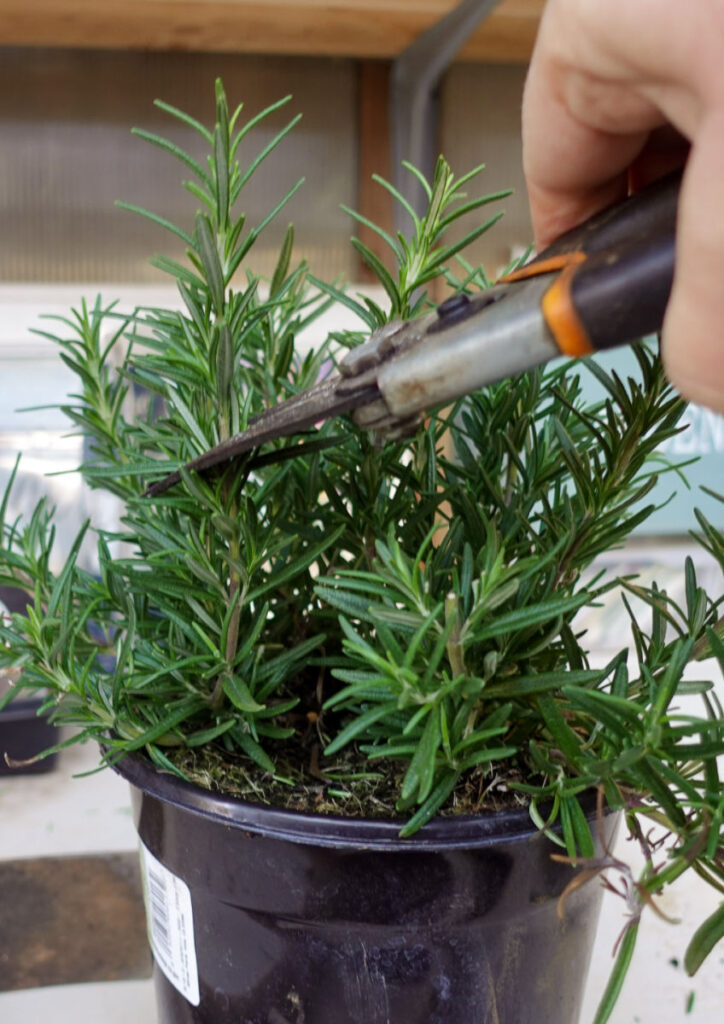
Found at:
(617, 272)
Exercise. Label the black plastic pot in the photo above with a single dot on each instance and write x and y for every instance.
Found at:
(300, 919)
(23, 735)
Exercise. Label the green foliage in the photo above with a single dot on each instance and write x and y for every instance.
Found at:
(427, 590)
(423, 256)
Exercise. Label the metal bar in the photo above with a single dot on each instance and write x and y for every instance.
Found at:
(414, 99)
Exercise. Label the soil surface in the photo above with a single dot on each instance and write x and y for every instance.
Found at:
(348, 785)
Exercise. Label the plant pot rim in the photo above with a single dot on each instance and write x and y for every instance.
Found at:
(447, 833)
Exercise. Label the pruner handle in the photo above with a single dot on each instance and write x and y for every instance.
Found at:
(616, 272)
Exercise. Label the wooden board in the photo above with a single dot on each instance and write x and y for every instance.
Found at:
(350, 28)
(373, 201)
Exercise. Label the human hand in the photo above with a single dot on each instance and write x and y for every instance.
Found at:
(630, 89)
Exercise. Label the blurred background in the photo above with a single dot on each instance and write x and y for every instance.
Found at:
(75, 77)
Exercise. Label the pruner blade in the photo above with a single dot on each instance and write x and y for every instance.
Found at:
(320, 402)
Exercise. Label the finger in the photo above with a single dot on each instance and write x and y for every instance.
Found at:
(594, 105)
(693, 342)
(573, 167)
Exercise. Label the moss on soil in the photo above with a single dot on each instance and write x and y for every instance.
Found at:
(348, 786)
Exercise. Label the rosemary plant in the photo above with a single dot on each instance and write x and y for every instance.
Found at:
(334, 614)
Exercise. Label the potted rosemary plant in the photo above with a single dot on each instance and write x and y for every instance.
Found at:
(366, 745)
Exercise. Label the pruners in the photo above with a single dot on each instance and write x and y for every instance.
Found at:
(603, 284)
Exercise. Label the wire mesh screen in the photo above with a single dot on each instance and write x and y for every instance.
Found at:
(480, 124)
(66, 155)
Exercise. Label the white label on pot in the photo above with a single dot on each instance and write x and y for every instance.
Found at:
(170, 925)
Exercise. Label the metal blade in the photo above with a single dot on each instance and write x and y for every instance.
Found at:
(330, 397)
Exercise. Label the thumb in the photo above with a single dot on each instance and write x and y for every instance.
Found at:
(693, 336)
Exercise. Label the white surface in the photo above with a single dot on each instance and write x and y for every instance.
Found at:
(55, 814)
(657, 989)
(119, 1002)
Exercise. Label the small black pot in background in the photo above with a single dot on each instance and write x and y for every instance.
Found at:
(24, 733)
(282, 918)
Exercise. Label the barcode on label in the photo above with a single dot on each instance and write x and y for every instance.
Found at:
(171, 925)
(158, 911)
